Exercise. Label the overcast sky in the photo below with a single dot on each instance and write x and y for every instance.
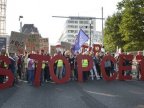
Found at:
(40, 12)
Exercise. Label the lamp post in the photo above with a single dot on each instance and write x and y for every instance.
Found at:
(90, 22)
(20, 17)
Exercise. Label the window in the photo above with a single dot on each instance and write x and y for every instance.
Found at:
(70, 21)
(86, 22)
(81, 22)
(71, 31)
(92, 27)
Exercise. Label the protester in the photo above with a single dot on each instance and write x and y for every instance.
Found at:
(30, 70)
(59, 69)
(3, 65)
(128, 63)
(75, 66)
(12, 65)
(97, 61)
(19, 66)
(46, 71)
(85, 64)
(71, 62)
(108, 65)
(139, 58)
(25, 67)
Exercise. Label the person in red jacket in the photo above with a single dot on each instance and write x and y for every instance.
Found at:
(139, 58)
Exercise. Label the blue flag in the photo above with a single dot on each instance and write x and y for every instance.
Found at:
(80, 40)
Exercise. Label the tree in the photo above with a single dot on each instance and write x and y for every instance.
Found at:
(112, 36)
(126, 27)
(132, 24)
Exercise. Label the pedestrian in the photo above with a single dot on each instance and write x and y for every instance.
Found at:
(30, 70)
(12, 65)
(139, 58)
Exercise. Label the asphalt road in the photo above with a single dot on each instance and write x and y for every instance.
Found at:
(91, 94)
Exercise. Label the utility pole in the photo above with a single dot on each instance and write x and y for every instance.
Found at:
(102, 28)
(90, 22)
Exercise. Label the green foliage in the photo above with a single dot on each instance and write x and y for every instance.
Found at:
(126, 28)
(112, 34)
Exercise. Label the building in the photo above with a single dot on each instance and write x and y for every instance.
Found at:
(97, 38)
(34, 41)
(2, 17)
(4, 42)
(29, 29)
(73, 25)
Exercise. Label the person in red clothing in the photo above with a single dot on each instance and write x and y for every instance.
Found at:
(19, 66)
(3, 65)
(139, 58)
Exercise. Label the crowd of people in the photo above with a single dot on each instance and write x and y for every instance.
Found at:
(24, 68)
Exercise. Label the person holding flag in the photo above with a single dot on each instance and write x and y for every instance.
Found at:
(81, 38)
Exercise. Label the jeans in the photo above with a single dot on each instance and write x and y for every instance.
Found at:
(59, 72)
(42, 76)
(30, 76)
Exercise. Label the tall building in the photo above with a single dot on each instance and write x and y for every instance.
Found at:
(2, 17)
(73, 25)
(34, 41)
(29, 29)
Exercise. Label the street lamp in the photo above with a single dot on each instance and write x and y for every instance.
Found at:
(90, 22)
(20, 17)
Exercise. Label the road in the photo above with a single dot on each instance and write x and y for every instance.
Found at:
(90, 94)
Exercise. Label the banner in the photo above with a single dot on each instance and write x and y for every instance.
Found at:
(66, 45)
(16, 43)
(80, 69)
(44, 45)
(53, 50)
(33, 43)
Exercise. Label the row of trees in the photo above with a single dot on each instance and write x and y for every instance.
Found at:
(125, 28)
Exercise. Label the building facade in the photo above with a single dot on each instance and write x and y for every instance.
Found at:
(2, 17)
(74, 24)
(29, 29)
(97, 38)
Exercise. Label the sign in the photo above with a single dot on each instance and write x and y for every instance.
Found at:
(81, 69)
(53, 50)
(44, 44)
(2, 43)
(16, 43)
(33, 43)
(66, 45)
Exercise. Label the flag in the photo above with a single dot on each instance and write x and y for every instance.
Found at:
(80, 40)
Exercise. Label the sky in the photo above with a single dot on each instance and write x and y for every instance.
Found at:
(40, 12)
